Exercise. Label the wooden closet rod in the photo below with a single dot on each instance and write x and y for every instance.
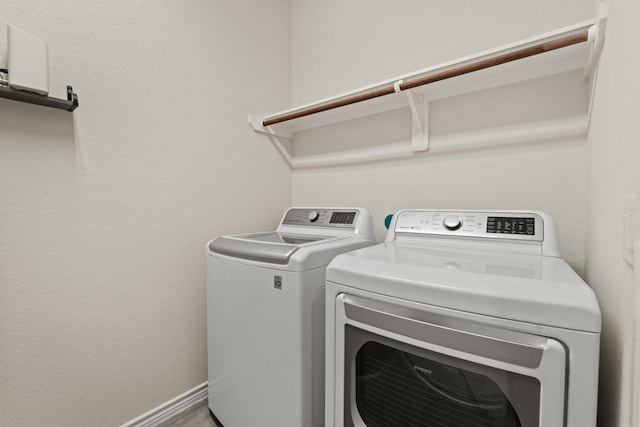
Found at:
(435, 77)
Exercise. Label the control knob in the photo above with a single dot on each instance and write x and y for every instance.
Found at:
(452, 222)
(313, 216)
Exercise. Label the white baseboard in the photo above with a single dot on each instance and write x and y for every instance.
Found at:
(170, 409)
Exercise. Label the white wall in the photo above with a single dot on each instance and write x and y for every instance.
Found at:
(614, 165)
(105, 212)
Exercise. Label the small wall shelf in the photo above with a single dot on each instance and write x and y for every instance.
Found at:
(69, 104)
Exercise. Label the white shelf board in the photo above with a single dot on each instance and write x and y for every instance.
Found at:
(541, 65)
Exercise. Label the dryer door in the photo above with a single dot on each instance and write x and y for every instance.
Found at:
(406, 364)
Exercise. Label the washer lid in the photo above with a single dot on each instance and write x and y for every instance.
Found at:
(284, 238)
(528, 288)
(272, 247)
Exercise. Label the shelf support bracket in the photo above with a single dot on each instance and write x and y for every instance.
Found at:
(256, 124)
(274, 137)
(419, 121)
(596, 37)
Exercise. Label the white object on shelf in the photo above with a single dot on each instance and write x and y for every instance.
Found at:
(28, 62)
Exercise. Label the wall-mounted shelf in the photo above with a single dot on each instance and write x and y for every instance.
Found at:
(69, 104)
(566, 49)
(576, 47)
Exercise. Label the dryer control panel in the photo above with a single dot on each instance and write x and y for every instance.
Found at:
(514, 225)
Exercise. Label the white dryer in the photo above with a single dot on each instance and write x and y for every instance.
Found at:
(461, 319)
(265, 317)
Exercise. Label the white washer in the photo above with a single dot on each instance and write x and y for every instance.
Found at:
(461, 318)
(265, 316)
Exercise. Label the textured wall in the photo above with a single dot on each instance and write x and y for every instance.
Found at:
(105, 212)
(614, 165)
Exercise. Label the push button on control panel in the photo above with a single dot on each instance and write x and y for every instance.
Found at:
(511, 225)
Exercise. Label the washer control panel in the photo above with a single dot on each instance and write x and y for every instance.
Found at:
(339, 218)
(487, 224)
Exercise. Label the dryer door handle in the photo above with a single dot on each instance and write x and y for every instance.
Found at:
(448, 332)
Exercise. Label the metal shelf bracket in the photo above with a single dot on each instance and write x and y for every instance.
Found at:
(69, 104)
